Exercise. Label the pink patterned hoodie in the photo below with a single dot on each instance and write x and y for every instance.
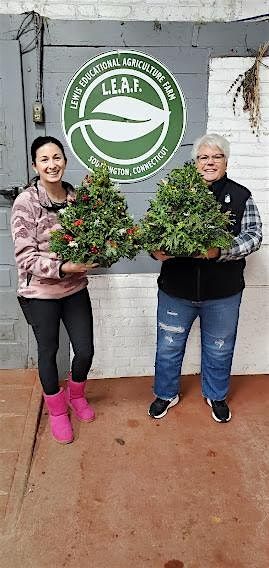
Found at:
(32, 220)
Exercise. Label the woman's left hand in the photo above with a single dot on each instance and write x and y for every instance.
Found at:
(211, 253)
(71, 267)
(90, 266)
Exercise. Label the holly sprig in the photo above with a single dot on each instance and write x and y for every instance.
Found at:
(95, 225)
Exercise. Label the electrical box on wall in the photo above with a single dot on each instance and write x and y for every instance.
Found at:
(38, 112)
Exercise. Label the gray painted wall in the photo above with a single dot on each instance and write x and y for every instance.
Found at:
(13, 327)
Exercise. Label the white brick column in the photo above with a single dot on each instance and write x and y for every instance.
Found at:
(249, 165)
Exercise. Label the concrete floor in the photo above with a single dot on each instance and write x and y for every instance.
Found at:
(132, 492)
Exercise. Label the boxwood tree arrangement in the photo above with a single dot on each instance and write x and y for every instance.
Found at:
(95, 225)
(184, 218)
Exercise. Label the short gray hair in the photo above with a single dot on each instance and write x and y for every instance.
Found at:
(211, 140)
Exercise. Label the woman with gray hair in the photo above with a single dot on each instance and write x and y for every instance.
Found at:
(209, 286)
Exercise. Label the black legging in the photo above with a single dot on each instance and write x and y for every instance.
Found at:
(44, 316)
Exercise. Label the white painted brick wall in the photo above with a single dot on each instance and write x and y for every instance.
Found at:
(174, 10)
(248, 165)
(125, 305)
(124, 308)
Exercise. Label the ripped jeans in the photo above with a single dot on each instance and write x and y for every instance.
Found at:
(218, 322)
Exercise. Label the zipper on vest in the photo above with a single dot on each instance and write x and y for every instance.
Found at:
(198, 289)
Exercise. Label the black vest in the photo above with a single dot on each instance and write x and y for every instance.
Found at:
(197, 279)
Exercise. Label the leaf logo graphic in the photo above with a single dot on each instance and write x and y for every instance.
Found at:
(126, 108)
(116, 119)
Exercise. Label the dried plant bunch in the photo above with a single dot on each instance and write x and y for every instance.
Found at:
(248, 84)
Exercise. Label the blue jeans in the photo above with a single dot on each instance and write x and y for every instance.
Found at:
(218, 322)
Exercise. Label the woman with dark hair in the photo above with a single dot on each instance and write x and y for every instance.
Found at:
(50, 290)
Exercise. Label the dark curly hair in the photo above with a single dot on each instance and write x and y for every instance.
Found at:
(41, 141)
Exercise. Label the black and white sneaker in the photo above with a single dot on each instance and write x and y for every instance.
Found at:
(159, 406)
(220, 410)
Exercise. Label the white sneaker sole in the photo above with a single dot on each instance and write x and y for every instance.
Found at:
(208, 401)
(170, 405)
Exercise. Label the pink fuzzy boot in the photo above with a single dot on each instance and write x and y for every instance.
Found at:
(60, 424)
(77, 401)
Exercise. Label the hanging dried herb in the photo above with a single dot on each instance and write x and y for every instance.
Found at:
(248, 84)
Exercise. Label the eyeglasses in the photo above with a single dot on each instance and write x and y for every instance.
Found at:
(204, 159)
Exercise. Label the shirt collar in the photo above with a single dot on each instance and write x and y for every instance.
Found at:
(218, 185)
(43, 197)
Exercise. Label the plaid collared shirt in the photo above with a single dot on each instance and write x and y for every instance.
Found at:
(250, 236)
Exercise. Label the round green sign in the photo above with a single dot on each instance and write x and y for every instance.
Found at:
(124, 108)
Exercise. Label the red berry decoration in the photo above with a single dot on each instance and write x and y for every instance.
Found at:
(94, 249)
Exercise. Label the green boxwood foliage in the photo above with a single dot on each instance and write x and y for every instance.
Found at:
(184, 218)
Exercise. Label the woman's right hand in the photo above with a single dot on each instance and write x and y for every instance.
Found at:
(161, 255)
(71, 267)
